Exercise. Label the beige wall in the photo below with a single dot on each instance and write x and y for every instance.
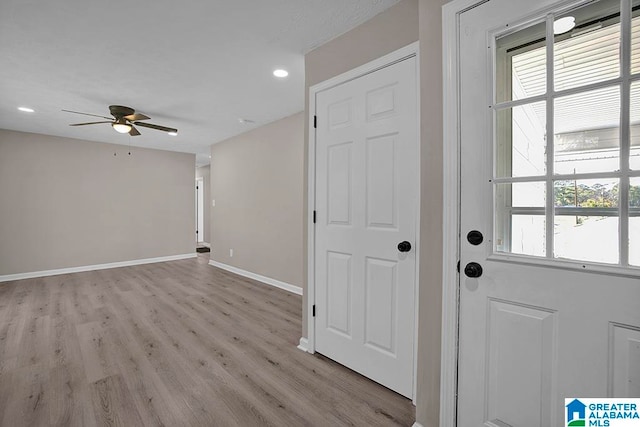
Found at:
(402, 24)
(256, 182)
(430, 317)
(388, 31)
(70, 203)
(204, 172)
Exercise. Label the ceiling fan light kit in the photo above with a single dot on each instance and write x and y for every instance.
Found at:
(121, 126)
(124, 119)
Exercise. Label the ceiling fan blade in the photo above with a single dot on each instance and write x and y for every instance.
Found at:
(134, 131)
(157, 127)
(89, 123)
(86, 114)
(136, 116)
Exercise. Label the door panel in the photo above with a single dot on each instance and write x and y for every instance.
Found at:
(339, 293)
(339, 188)
(625, 351)
(382, 201)
(380, 308)
(366, 203)
(381, 103)
(521, 344)
(543, 321)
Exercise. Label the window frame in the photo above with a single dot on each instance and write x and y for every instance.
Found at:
(501, 81)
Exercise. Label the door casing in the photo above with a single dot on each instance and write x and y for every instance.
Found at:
(411, 50)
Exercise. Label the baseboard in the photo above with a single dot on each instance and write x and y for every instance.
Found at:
(304, 345)
(416, 424)
(268, 280)
(205, 244)
(45, 273)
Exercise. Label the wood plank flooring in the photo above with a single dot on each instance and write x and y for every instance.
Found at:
(180, 343)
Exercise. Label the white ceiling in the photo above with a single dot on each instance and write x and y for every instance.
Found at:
(196, 65)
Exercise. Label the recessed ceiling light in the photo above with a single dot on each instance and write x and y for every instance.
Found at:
(280, 73)
(173, 133)
(562, 25)
(26, 109)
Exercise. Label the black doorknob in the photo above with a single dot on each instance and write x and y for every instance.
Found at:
(475, 237)
(404, 246)
(473, 269)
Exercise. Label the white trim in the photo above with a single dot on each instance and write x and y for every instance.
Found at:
(414, 400)
(311, 227)
(264, 279)
(416, 424)
(45, 273)
(411, 50)
(304, 345)
(450, 209)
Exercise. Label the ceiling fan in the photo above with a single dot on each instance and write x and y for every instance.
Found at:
(124, 119)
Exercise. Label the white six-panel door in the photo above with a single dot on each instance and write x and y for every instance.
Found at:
(366, 204)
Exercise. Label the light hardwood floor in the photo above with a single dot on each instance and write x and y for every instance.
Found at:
(171, 344)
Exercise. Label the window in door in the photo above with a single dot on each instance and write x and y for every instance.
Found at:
(566, 175)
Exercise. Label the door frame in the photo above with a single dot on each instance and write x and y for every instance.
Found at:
(451, 207)
(199, 187)
(411, 50)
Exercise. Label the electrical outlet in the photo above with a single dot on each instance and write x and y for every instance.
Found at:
(213, 203)
(231, 253)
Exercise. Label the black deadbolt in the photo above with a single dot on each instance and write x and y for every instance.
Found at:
(404, 246)
(475, 237)
(473, 269)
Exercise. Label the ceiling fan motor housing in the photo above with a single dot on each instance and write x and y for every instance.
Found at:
(119, 111)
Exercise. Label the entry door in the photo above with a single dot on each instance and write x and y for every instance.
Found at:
(366, 204)
(550, 226)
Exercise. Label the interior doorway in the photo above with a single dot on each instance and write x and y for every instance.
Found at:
(199, 211)
(363, 242)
